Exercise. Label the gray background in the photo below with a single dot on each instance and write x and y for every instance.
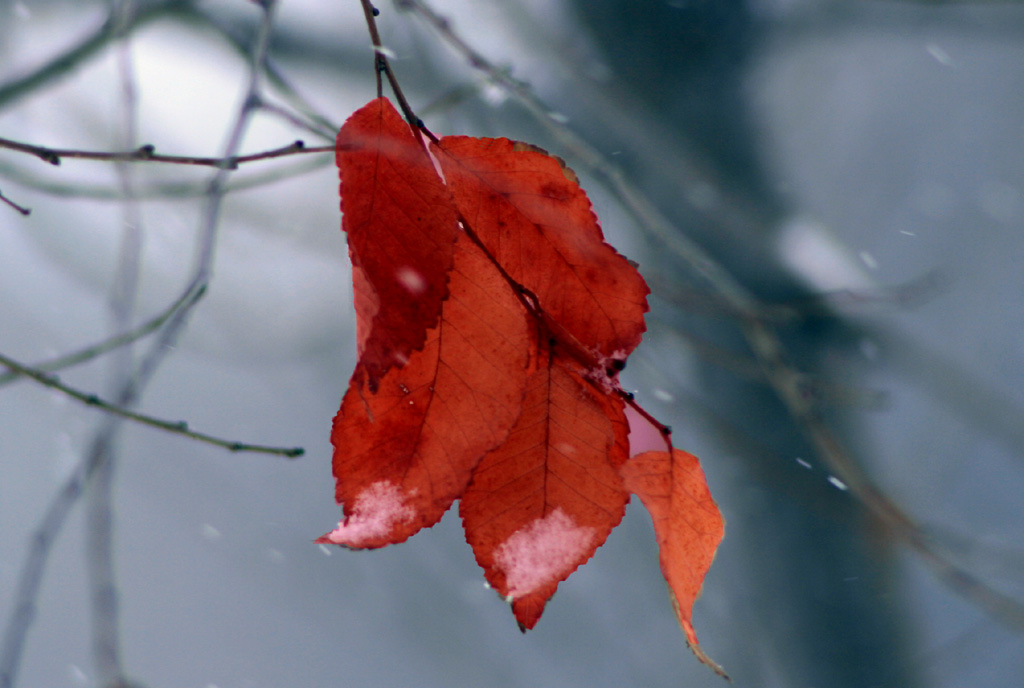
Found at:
(870, 152)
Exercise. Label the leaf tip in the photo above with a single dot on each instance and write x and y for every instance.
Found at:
(540, 553)
(373, 517)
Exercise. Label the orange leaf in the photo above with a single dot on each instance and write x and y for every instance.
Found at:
(402, 454)
(534, 218)
(541, 504)
(687, 526)
(401, 227)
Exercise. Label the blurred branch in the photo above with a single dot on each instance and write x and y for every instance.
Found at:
(99, 510)
(148, 153)
(86, 48)
(318, 122)
(785, 381)
(176, 427)
(745, 366)
(957, 388)
(26, 591)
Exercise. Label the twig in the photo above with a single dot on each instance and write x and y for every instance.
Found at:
(21, 209)
(175, 427)
(148, 153)
(171, 190)
(382, 66)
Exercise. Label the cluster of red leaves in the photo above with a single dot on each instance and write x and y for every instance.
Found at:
(492, 322)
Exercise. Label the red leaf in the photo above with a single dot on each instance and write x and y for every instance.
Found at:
(687, 526)
(401, 226)
(541, 504)
(534, 218)
(492, 321)
(402, 454)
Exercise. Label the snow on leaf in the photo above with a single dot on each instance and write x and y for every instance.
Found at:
(543, 552)
(376, 511)
(557, 459)
(429, 422)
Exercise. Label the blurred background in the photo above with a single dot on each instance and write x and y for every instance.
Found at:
(826, 197)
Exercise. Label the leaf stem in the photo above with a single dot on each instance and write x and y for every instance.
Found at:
(20, 208)
(382, 66)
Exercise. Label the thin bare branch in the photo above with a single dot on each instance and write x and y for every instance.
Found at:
(147, 153)
(175, 427)
(99, 511)
(170, 190)
(21, 209)
(383, 66)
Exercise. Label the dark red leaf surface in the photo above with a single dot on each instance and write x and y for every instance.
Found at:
(401, 227)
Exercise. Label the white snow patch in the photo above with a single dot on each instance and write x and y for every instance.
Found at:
(837, 483)
(817, 256)
(78, 677)
(542, 552)
(940, 55)
(663, 395)
(411, 280)
(566, 449)
(376, 511)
